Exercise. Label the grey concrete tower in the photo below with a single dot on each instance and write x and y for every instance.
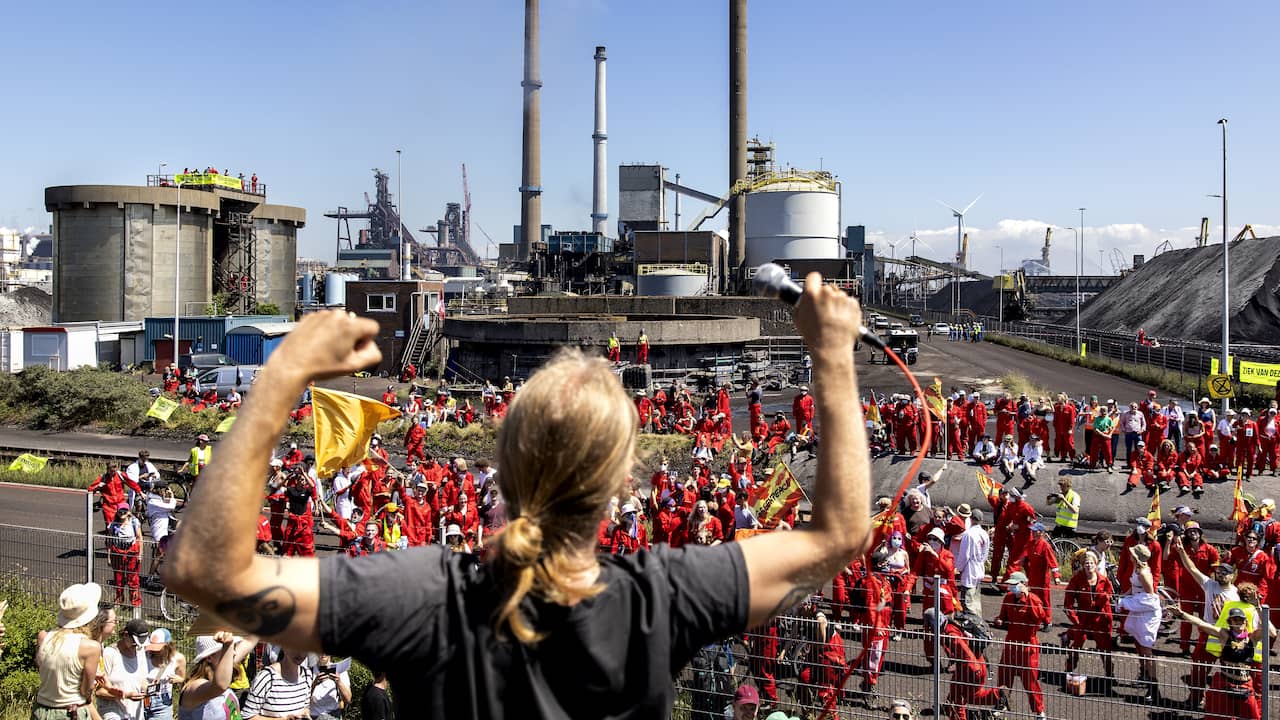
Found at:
(531, 162)
(737, 135)
(600, 193)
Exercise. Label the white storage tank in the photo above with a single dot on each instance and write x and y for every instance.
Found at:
(794, 215)
(671, 282)
(335, 288)
(308, 288)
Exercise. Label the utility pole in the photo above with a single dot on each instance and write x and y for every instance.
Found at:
(1226, 270)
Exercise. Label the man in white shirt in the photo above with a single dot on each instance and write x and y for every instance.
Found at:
(984, 451)
(141, 472)
(342, 502)
(971, 561)
(1218, 590)
(125, 667)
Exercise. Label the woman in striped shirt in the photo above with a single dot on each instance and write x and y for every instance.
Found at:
(281, 689)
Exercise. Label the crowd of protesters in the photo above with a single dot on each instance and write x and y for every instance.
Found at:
(378, 505)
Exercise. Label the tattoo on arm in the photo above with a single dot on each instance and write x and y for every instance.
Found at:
(267, 612)
(807, 582)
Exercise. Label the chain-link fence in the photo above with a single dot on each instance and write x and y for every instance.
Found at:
(832, 660)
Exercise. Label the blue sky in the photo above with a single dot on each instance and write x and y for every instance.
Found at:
(1041, 107)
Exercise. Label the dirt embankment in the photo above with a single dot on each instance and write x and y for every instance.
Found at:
(1178, 294)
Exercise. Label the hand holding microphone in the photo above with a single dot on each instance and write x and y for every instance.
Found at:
(772, 281)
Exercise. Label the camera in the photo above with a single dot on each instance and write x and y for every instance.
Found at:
(1166, 530)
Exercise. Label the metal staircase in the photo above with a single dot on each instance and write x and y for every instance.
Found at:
(426, 334)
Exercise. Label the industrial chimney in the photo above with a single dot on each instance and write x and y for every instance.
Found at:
(600, 195)
(737, 136)
(531, 160)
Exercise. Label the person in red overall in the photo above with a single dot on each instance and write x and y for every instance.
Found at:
(1039, 563)
(1215, 465)
(886, 522)
(1141, 535)
(762, 652)
(1088, 606)
(955, 430)
(414, 441)
(1017, 518)
(1142, 466)
(801, 409)
(644, 408)
(976, 414)
(1022, 613)
(389, 397)
(1188, 472)
(826, 673)
(124, 553)
(874, 620)
(1006, 416)
(419, 516)
(904, 427)
(1252, 564)
(368, 543)
(111, 484)
(362, 486)
(1064, 428)
(1246, 442)
(779, 429)
(968, 673)
(1190, 594)
(1166, 467)
(299, 531)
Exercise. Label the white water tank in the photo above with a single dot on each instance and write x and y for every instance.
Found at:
(335, 287)
(308, 288)
(671, 282)
(793, 217)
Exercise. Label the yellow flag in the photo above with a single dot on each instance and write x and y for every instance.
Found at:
(989, 487)
(1153, 514)
(344, 423)
(774, 497)
(28, 463)
(933, 398)
(226, 424)
(162, 408)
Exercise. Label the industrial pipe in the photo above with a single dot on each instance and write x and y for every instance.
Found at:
(531, 160)
(600, 193)
(737, 136)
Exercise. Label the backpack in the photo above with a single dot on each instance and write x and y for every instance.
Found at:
(713, 683)
(975, 629)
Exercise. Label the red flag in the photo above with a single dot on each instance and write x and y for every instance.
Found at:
(776, 496)
(933, 399)
(990, 488)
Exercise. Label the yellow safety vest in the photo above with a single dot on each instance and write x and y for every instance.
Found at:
(1067, 517)
(199, 459)
(613, 343)
(390, 533)
(644, 339)
(1213, 644)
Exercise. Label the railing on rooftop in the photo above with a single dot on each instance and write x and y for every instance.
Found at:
(208, 181)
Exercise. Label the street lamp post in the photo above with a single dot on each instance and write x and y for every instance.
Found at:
(1079, 259)
(160, 171)
(1226, 267)
(177, 278)
(1001, 274)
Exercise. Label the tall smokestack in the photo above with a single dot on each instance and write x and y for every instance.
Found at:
(737, 134)
(531, 161)
(600, 195)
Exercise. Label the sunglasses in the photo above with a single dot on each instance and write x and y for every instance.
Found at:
(901, 716)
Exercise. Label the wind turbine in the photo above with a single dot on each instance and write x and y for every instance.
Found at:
(962, 260)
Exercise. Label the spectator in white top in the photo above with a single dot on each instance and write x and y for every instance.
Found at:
(142, 472)
(1032, 458)
(971, 562)
(928, 481)
(125, 668)
(331, 691)
(1009, 459)
(984, 451)
(342, 502)
(1134, 425)
(161, 505)
(1173, 411)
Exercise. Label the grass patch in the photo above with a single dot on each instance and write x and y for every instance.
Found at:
(78, 474)
(1017, 384)
(1156, 377)
(652, 448)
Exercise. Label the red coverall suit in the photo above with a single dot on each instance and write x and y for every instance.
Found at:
(1000, 537)
(419, 521)
(1268, 442)
(125, 557)
(1156, 426)
(828, 669)
(113, 495)
(1226, 447)
(1190, 595)
(413, 443)
(968, 675)
(1246, 445)
(1166, 465)
(1017, 517)
(801, 410)
(1124, 567)
(763, 647)
(778, 431)
(1188, 473)
(875, 629)
(955, 432)
(1006, 419)
(1040, 563)
(1252, 567)
(723, 406)
(1088, 607)
(976, 412)
(644, 408)
(299, 531)
(1022, 615)
(1064, 432)
(1142, 466)
(904, 428)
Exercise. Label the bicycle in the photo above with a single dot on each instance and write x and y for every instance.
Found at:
(175, 609)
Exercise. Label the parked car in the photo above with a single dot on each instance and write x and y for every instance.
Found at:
(895, 326)
(880, 323)
(916, 320)
(201, 361)
(941, 328)
(226, 377)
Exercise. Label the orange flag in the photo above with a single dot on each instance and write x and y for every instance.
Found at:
(1238, 511)
(989, 487)
(776, 496)
(1154, 513)
(933, 398)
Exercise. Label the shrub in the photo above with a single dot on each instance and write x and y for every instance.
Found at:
(66, 400)
(64, 474)
(25, 618)
(361, 678)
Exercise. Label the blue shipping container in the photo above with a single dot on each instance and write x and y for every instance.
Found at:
(252, 344)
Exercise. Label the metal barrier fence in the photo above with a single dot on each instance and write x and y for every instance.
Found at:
(799, 671)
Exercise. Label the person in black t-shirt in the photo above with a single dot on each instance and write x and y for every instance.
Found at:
(540, 626)
(376, 703)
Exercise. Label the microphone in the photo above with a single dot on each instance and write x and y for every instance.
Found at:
(772, 281)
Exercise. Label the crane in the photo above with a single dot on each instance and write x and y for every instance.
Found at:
(1246, 230)
(466, 209)
(1204, 232)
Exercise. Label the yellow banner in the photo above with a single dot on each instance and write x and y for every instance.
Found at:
(1256, 373)
(1083, 347)
(162, 408)
(1213, 365)
(28, 463)
(225, 425)
(209, 179)
(775, 496)
(1220, 387)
